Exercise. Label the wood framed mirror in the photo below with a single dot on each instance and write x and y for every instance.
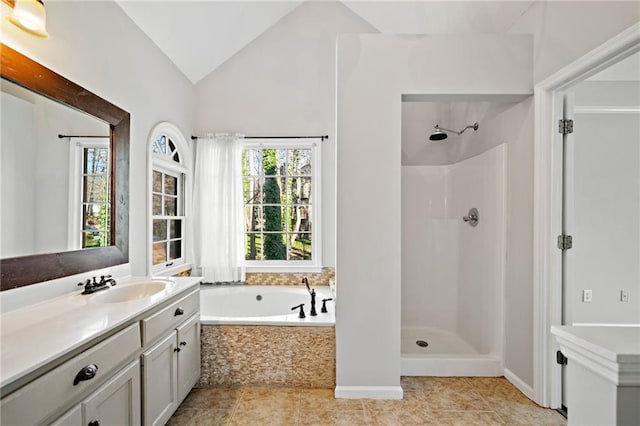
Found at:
(31, 269)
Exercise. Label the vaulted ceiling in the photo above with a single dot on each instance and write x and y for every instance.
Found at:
(199, 36)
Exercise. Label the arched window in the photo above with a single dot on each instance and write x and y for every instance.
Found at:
(169, 180)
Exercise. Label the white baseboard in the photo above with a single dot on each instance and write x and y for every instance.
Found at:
(519, 383)
(368, 392)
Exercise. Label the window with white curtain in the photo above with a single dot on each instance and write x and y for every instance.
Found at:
(281, 192)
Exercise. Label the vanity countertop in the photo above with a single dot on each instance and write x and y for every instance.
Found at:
(36, 335)
(613, 343)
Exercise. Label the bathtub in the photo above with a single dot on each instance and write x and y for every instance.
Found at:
(263, 305)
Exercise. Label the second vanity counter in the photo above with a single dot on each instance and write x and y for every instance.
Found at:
(40, 336)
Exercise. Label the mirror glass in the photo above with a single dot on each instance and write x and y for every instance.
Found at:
(54, 192)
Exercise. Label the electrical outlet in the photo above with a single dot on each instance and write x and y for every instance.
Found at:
(587, 296)
(624, 295)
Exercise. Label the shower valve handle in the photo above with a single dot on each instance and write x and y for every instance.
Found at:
(301, 314)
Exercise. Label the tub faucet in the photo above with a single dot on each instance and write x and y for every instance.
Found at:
(312, 292)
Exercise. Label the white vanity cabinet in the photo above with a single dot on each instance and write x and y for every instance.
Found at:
(116, 403)
(171, 367)
(137, 369)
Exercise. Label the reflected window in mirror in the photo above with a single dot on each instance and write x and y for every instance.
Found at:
(90, 194)
(169, 172)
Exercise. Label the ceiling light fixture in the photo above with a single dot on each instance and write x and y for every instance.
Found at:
(30, 16)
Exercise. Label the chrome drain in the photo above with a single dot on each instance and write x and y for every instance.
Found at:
(422, 343)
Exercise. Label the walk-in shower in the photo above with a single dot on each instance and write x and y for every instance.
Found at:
(452, 244)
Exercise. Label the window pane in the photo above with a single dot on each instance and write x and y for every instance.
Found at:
(300, 248)
(272, 191)
(252, 162)
(94, 217)
(176, 157)
(273, 218)
(253, 247)
(159, 230)
(299, 162)
(94, 189)
(172, 146)
(159, 253)
(157, 205)
(274, 247)
(96, 161)
(170, 185)
(299, 190)
(175, 229)
(94, 239)
(170, 206)
(273, 161)
(252, 190)
(253, 218)
(157, 181)
(175, 249)
(162, 144)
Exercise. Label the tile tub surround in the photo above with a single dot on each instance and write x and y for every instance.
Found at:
(428, 400)
(297, 357)
(268, 278)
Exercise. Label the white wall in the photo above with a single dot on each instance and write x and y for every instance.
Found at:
(369, 175)
(283, 83)
(97, 46)
(604, 205)
(18, 162)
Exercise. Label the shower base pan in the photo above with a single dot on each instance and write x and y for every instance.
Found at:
(432, 352)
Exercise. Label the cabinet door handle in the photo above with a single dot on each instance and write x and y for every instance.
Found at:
(176, 349)
(179, 311)
(95, 422)
(87, 373)
(183, 343)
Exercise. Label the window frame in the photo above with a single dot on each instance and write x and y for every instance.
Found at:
(76, 174)
(315, 264)
(163, 163)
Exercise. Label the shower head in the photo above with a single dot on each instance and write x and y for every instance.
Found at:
(438, 135)
(441, 133)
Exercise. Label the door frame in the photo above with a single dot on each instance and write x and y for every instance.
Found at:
(547, 220)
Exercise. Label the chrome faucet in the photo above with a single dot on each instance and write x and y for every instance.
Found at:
(91, 285)
(312, 292)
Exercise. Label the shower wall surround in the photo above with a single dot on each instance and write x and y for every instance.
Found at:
(452, 273)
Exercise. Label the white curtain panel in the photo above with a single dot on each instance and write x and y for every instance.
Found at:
(218, 208)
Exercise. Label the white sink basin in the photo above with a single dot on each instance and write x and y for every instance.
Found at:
(130, 292)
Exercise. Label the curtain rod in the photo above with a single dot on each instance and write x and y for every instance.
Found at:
(81, 136)
(322, 138)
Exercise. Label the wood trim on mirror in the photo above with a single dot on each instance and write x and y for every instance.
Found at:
(26, 270)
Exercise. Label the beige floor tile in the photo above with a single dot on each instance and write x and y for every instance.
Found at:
(455, 400)
(323, 399)
(332, 418)
(404, 417)
(265, 417)
(467, 418)
(212, 398)
(411, 400)
(199, 417)
(256, 399)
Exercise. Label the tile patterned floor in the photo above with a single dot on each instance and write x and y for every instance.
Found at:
(427, 401)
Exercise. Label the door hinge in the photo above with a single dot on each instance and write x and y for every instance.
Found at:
(565, 127)
(565, 242)
(561, 359)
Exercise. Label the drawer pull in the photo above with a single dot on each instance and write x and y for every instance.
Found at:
(176, 349)
(87, 373)
(95, 422)
(179, 311)
(183, 343)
